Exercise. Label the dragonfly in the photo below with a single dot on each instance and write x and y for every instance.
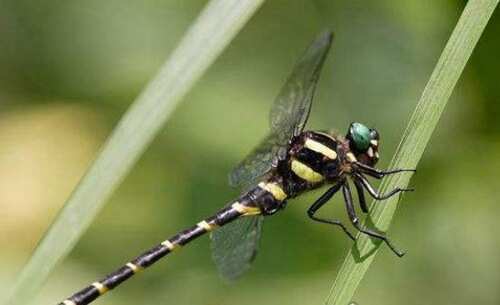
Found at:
(287, 163)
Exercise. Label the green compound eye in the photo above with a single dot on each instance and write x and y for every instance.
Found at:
(360, 136)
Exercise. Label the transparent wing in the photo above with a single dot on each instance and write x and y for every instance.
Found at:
(291, 108)
(257, 163)
(235, 245)
(288, 114)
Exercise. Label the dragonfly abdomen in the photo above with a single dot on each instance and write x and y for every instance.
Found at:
(148, 258)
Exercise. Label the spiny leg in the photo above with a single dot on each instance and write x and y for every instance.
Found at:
(377, 173)
(361, 196)
(320, 202)
(355, 221)
(374, 193)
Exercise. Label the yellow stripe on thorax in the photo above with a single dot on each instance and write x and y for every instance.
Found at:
(305, 172)
(320, 148)
(274, 189)
(350, 157)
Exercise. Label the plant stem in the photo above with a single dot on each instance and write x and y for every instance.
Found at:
(213, 30)
(415, 138)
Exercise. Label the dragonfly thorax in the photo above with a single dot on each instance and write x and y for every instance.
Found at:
(313, 159)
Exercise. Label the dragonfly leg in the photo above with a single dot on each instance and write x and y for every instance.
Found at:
(361, 196)
(356, 223)
(377, 173)
(320, 202)
(374, 193)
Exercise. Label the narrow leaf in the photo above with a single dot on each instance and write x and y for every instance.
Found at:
(415, 138)
(215, 27)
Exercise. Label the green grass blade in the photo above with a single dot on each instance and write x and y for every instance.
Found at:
(215, 27)
(415, 138)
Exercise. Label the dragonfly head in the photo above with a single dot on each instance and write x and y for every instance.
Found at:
(363, 142)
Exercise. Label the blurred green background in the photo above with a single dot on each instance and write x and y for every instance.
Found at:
(69, 70)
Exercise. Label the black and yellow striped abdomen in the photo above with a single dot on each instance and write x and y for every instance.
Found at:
(263, 199)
